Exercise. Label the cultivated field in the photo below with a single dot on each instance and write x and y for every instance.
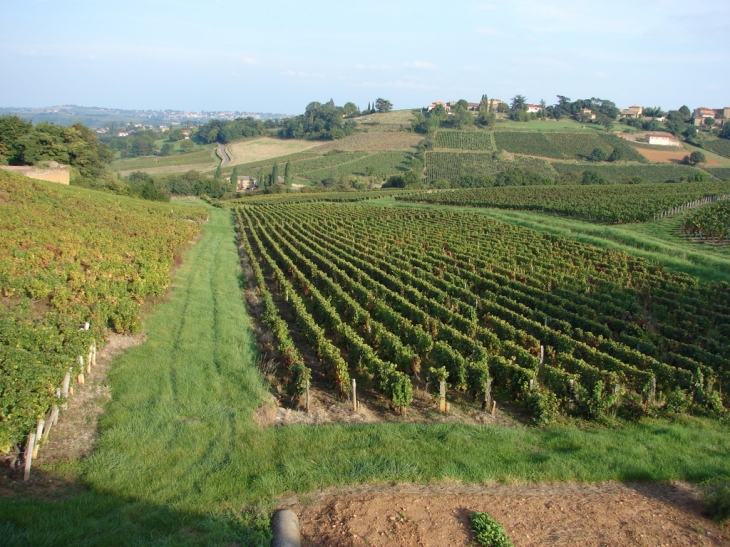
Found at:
(266, 148)
(375, 141)
(673, 156)
(179, 162)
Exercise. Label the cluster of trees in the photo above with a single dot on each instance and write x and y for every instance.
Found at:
(139, 143)
(77, 146)
(319, 122)
(224, 131)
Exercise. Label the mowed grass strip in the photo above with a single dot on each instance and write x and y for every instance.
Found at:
(180, 460)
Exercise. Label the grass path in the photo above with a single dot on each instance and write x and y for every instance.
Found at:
(180, 460)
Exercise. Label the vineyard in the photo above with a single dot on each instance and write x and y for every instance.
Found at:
(625, 173)
(451, 165)
(404, 299)
(609, 204)
(719, 146)
(710, 222)
(464, 140)
(580, 146)
(68, 257)
(722, 173)
(533, 144)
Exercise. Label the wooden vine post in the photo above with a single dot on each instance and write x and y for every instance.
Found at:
(487, 395)
(38, 436)
(355, 404)
(307, 398)
(30, 447)
(443, 406)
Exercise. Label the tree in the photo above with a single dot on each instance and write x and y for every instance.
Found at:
(350, 109)
(543, 108)
(274, 178)
(12, 128)
(234, 179)
(593, 177)
(725, 133)
(519, 102)
(709, 121)
(166, 149)
(383, 105)
(597, 155)
(187, 145)
(616, 155)
(287, 173)
(684, 111)
(694, 158)
(217, 174)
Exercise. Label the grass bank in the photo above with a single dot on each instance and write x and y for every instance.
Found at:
(180, 460)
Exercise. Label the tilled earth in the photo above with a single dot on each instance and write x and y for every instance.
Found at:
(610, 514)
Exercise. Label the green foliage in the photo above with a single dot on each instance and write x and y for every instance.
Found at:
(224, 131)
(487, 531)
(597, 155)
(593, 177)
(383, 105)
(319, 122)
(464, 140)
(717, 498)
(620, 173)
(543, 405)
(88, 258)
(604, 203)
(454, 165)
(528, 143)
(709, 221)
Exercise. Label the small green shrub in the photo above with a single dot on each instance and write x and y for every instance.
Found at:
(488, 531)
(717, 498)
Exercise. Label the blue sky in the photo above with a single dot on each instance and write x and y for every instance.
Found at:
(278, 55)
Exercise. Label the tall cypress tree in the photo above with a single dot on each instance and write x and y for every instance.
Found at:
(287, 173)
(275, 174)
(234, 178)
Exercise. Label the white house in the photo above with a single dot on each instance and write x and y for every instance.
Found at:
(663, 139)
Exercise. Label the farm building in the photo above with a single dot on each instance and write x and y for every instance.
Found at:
(434, 104)
(632, 112)
(665, 139)
(533, 108)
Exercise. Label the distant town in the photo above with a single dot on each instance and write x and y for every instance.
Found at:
(97, 117)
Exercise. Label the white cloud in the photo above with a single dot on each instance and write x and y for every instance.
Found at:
(421, 65)
(486, 31)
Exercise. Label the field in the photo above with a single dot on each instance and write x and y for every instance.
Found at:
(604, 346)
(549, 126)
(673, 156)
(178, 162)
(180, 459)
(395, 120)
(719, 146)
(256, 150)
(51, 286)
(464, 140)
(371, 142)
(609, 204)
(620, 173)
(450, 165)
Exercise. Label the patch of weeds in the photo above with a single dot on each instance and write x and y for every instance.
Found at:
(717, 498)
(487, 531)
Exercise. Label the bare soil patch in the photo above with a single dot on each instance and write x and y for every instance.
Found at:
(599, 515)
(372, 142)
(671, 156)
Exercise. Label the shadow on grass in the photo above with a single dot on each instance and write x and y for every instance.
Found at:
(49, 511)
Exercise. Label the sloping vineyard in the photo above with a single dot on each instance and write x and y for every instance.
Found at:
(719, 146)
(464, 140)
(622, 173)
(451, 165)
(709, 222)
(533, 144)
(610, 204)
(399, 297)
(71, 256)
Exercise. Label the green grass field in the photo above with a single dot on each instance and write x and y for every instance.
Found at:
(180, 460)
(549, 125)
(205, 155)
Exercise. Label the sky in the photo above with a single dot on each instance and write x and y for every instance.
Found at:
(279, 55)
